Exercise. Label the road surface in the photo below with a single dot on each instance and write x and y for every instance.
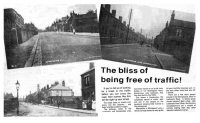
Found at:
(66, 47)
(30, 110)
(53, 48)
(142, 55)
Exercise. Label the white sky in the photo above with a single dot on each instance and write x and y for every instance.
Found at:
(44, 15)
(151, 20)
(30, 77)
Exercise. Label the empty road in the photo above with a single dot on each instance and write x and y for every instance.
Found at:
(30, 110)
(142, 55)
(53, 48)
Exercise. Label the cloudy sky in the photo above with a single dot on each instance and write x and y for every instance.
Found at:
(44, 15)
(151, 20)
(30, 77)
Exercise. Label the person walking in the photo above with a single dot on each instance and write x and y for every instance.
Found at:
(74, 31)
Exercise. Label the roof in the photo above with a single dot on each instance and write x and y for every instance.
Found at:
(12, 10)
(116, 19)
(88, 71)
(80, 16)
(186, 24)
(60, 87)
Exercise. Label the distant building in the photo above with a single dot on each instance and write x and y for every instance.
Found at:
(177, 38)
(15, 31)
(60, 93)
(88, 83)
(114, 30)
(83, 22)
(80, 22)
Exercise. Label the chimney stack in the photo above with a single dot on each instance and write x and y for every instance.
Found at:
(114, 13)
(120, 18)
(63, 83)
(107, 7)
(124, 22)
(91, 65)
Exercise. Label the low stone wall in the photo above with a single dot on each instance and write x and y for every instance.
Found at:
(27, 34)
(10, 105)
(13, 37)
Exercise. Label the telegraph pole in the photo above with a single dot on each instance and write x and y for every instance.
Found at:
(128, 25)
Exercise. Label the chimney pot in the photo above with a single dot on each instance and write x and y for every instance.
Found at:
(124, 22)
(114, 13)
(91, 65)
(107, 7)
(120, 18)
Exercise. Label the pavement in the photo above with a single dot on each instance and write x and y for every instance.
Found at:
(130, 53)
(142, 55)
(17, 57)
(29, 62)
(74, 110)
(31, 110)
(169, 62)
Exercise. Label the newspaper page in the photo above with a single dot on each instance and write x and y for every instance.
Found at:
(97, 61)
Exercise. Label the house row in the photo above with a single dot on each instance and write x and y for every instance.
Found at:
(80, 22)
(114, 30)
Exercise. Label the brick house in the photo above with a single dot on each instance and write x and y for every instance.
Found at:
(60, 93)
(88, 84)
(177, 38)
(83, 22)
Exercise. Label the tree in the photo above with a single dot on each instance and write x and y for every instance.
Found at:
(8, 96)
(90, 12)
(56, 83)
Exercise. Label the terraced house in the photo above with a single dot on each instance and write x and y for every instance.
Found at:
(114, 30)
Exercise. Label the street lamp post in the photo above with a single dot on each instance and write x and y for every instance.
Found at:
(17, 87)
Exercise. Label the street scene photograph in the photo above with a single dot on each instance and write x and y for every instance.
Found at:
(58, 90)
(50, 34)
(147, 36)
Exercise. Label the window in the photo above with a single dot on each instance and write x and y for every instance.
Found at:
(87, 80)
(178, 32)
(57, 93)
(114, 24)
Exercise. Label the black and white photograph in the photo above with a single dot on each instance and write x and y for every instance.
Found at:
(97, 61)
(36, 35)
(147, 36)
(57, 91)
